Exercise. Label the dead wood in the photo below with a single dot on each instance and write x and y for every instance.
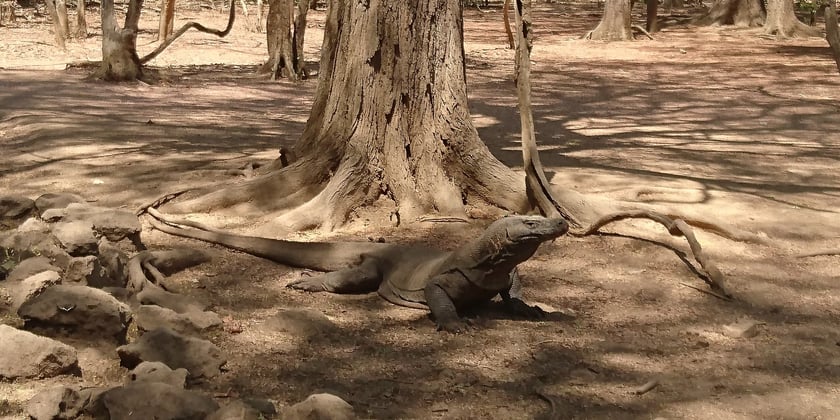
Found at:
(152, 267)
(643, 31)
(832, 34)
(826, 252)
(647, 387)
(508, 31)
(540, 193)
(192, 25)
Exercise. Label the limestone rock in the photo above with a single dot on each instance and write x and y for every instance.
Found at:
(113, 224)
(31, 287)
(76, 237)
(57, 403)
(25, 245)
(113, 261)
(320, 406)
(80, 309)
(88, 271)
(14, 209)
(236, 410)
(31, 266)
(33, 225)
(159, 372)
(151, 317)
(299, 322)
(56, 201)
(155, 400)
(200, 357)
(174, 301)
(53, 215)
(26, 355)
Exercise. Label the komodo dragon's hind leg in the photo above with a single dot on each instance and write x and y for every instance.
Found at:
(364, 278)
(514, 303)
(443, 309)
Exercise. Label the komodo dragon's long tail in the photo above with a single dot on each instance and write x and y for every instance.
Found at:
(321, 256)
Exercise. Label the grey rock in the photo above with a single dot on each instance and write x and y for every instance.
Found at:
(200, 357)
(151, 317)
(29, 288)
(33, 225)
(320, 406)
(236, 410)
(26, 355)
(176, 302)
(88, 271)
(264, 406)
(57, 403)
(56, 201)
(113, 224)
(79, 309)
(159, 372)
(14, 209)
(76, 237)
(299, 322)
(23, 245)
(31, 266)
(114, 261)
(155, 400)
(53, 215)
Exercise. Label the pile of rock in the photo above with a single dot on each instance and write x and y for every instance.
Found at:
(66, 266)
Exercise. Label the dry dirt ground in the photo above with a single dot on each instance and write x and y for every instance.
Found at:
(715, 121)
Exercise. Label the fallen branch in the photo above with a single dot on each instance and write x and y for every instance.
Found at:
(151, 267)
(824, 252)
(192, 25)
(647, 387)
(643, 31)
(539, 190)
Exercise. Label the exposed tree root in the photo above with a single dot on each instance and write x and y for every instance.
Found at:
(827, 252)
(150, 268)
(541, 194)
(192, 25)
(643, 31)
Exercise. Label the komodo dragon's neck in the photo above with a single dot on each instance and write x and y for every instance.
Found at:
(493, 251)
(321, 256)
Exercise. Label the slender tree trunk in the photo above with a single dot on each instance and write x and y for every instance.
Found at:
(390, 118)
(58, 27)
(61, 11)
(259, 15)
(81, 21)
(506, 18)
(832, 34)
(744, 13)
(615, 22)
(782, 22)
(119, 52)
(651, 16)
(167, 19)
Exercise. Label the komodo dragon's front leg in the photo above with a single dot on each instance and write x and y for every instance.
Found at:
(514, 304)
(443, 309)
(364, 278)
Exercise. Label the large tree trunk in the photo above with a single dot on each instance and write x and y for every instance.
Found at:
(744, 13)
(832, 34)
(284, 33)
(390, 118)
(651, 11)
(167, 19)
(119, 46)
(615, 22)
(782, 22)
(81, 22)
(58, 27)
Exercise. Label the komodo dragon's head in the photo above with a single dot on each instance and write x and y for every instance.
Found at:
(513, 239)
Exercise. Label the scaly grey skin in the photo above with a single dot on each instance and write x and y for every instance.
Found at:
(414, 276)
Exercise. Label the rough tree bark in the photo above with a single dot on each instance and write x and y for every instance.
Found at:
(60, 29)
(782, 22)
(743, 13)
(651, 12)
(119, 52)
(81, 21)
(832, 34)
(506, 18)
(285, 32)
(167, 19)
(615, 23)
(390, 118)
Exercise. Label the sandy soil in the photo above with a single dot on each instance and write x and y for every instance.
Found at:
(713, 121)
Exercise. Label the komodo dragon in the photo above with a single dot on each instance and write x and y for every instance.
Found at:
(414, 276)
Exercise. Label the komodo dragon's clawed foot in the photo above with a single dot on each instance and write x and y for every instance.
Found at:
(520, 308)
(308, 285)
(454, 326)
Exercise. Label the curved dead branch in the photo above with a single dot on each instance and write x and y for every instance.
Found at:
(150, 268)
(192, 25)
(539, 191)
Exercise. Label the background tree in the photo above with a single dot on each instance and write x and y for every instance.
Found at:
(746, 13)
(285, 32)
(61, 27)
(782, 22)
(81, 22)
(832, 34)
(167, 19)
(615, 23)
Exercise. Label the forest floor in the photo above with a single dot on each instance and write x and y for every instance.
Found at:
(714, 121)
